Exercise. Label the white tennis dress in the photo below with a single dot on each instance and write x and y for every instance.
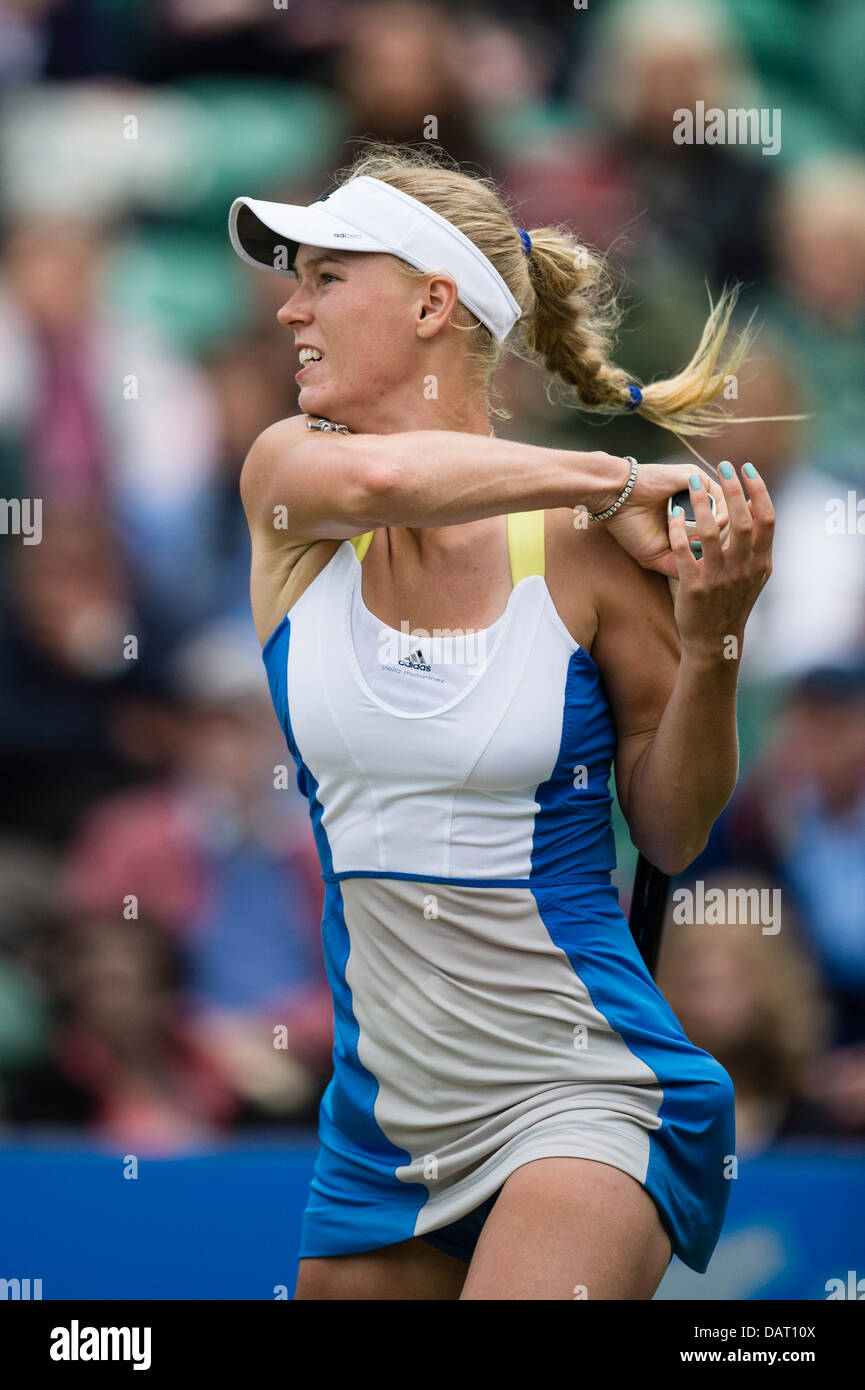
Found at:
(490, 1004)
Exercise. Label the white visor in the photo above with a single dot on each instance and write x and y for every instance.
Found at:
(368, 215)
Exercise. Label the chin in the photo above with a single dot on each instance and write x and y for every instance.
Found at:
(315, 401)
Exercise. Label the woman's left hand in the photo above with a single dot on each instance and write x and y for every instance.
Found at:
(717, 589)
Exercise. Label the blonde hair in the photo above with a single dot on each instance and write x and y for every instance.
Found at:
(568, 301)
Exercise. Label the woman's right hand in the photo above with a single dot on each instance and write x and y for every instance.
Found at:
(640, 525)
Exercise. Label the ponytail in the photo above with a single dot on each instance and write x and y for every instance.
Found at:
(569, 306)
(570, 333)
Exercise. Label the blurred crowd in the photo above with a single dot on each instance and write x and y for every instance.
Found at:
(161, 974)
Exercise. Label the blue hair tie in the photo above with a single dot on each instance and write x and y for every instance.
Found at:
(525, 239)
(636, 397)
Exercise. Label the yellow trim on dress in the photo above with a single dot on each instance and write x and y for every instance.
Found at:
(362, 543)
(525, 544)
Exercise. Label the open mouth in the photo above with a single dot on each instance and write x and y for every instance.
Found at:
(309, 359)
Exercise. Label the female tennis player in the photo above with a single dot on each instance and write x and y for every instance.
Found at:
(515, 1112)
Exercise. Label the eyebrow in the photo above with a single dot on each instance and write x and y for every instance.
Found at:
(317, 260)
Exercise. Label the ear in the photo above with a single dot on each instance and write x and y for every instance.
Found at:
(436, 303)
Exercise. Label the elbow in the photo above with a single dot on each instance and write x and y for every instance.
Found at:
(380, 485)
(672, 865)
(671, 859)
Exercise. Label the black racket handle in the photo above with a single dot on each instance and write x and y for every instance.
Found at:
(648, 906)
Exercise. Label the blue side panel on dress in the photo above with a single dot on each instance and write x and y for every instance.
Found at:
(690, 1151)
(343, 1215)
(356, 1200)
(275, 656)
(573, 827)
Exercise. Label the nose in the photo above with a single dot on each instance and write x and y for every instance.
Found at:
(294, 310)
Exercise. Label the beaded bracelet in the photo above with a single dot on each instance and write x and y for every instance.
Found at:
(632, 478)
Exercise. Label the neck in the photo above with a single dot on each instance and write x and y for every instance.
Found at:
(464, 417)
(444, 540)
(405, 411)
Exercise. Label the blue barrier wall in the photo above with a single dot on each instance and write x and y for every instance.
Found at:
(226, 1224)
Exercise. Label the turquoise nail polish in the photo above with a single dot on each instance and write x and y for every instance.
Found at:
(697, 547)
(749, 470)
(695, 481)
(677, 511)
(726, 470)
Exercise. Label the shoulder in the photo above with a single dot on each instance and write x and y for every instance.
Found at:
(584, 553)
(285, 457)
(292, 429)
(636, 641)
(285, 490)
(271, 443)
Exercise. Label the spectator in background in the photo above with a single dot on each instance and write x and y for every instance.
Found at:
(30, 929)
(397, 66)
(242, 37)
(673, 216)
(100, 413)
(68, 674)
(818, 241)
(50, 396)
(700, 205)
(753, 1001)
(799, 815)
(122, 1063)
(251, 379)
(225, 864)
(813, 611)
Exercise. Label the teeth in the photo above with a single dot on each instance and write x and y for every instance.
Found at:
(309, 355)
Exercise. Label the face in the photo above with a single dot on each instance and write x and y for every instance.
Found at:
(52, 273)
(826, 741)
(713, 992)
(228, 746)
(114, 987)
(361, 313)
(821, 254)
(71, 591)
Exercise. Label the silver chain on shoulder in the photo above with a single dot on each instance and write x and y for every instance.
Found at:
(324, 425)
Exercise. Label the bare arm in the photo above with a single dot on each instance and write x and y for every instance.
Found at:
(683, 781)
(664, 707)
(445, 478)
(301, 486)
(672, 679)
(335, 486)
